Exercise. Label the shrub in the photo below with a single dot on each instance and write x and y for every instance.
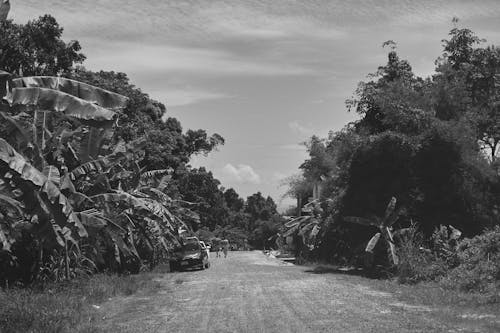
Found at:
(479, 264)
(416, 263)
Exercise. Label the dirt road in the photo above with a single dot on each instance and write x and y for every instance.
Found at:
(249, 292)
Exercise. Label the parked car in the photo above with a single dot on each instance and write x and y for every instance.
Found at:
(189, 255)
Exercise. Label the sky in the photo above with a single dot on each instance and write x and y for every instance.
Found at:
(264, 74)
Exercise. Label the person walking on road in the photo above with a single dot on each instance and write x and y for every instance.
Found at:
(225, 247)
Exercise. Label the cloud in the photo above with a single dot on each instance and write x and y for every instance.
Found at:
(293, 146)
(241, 174)
(418, 14)
(180, 97)
(190, 60)
(279, 176)
(249, 20)
(300, 129)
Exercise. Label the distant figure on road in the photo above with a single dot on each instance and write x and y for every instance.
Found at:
(225, 247)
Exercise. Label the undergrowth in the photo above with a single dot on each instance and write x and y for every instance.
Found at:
(70, 306)
(470, 265)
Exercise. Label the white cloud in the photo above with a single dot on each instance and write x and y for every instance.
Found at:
(300, 129)
(241, 174)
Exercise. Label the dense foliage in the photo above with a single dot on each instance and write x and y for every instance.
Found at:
(432, 143)
(88, 167)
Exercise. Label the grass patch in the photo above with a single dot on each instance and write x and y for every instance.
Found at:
(68, 306)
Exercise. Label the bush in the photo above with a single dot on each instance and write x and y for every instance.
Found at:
(479, 264)
(470, 265)
(416, 263)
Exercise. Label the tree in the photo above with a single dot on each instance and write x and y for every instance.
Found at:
(260, 208)
(37, 48)
(233, 200)
(459, 48)
(167, 145)
(199, 187)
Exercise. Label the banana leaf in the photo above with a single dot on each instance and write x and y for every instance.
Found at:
(159, 195)
(102, 164)
(4, 80)
(296, 221)
(372, 243)
(5, 236)
(155, 174)
(394, 217)
(92, 94)
(52, 174)
(18, 164)
(360, 220)
(91, 143)
(23, 139)
(391, 247)
(57, 101)
(127, 200)
(59, 205)
(18, 206)
(390, 208)
(92, 219)
(5, 241)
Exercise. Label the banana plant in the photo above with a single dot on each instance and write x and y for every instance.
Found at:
(40, 191)
(31, 171)
(307, 227)
(384, 225)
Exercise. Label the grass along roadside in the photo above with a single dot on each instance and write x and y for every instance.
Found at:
(71, 306)
(479, 312)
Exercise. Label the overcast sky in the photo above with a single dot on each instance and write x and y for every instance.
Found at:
(266, 75)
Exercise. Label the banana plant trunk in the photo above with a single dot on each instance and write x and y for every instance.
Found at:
(66, 260)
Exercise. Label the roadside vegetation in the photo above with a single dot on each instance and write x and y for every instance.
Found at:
(411, 188)
(94, 175)
(73, 305)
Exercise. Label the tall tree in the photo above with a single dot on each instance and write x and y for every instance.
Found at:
(37, 48)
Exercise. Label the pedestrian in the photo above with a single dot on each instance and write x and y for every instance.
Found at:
(225, 247)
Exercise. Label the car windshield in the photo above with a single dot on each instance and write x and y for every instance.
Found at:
(191, 247)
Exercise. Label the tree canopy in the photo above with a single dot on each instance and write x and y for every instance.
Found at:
(430, 142)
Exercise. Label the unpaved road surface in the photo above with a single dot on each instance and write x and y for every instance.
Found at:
(249, 292)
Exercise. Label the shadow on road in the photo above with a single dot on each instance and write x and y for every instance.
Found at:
(377, 274)
(336, 270)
